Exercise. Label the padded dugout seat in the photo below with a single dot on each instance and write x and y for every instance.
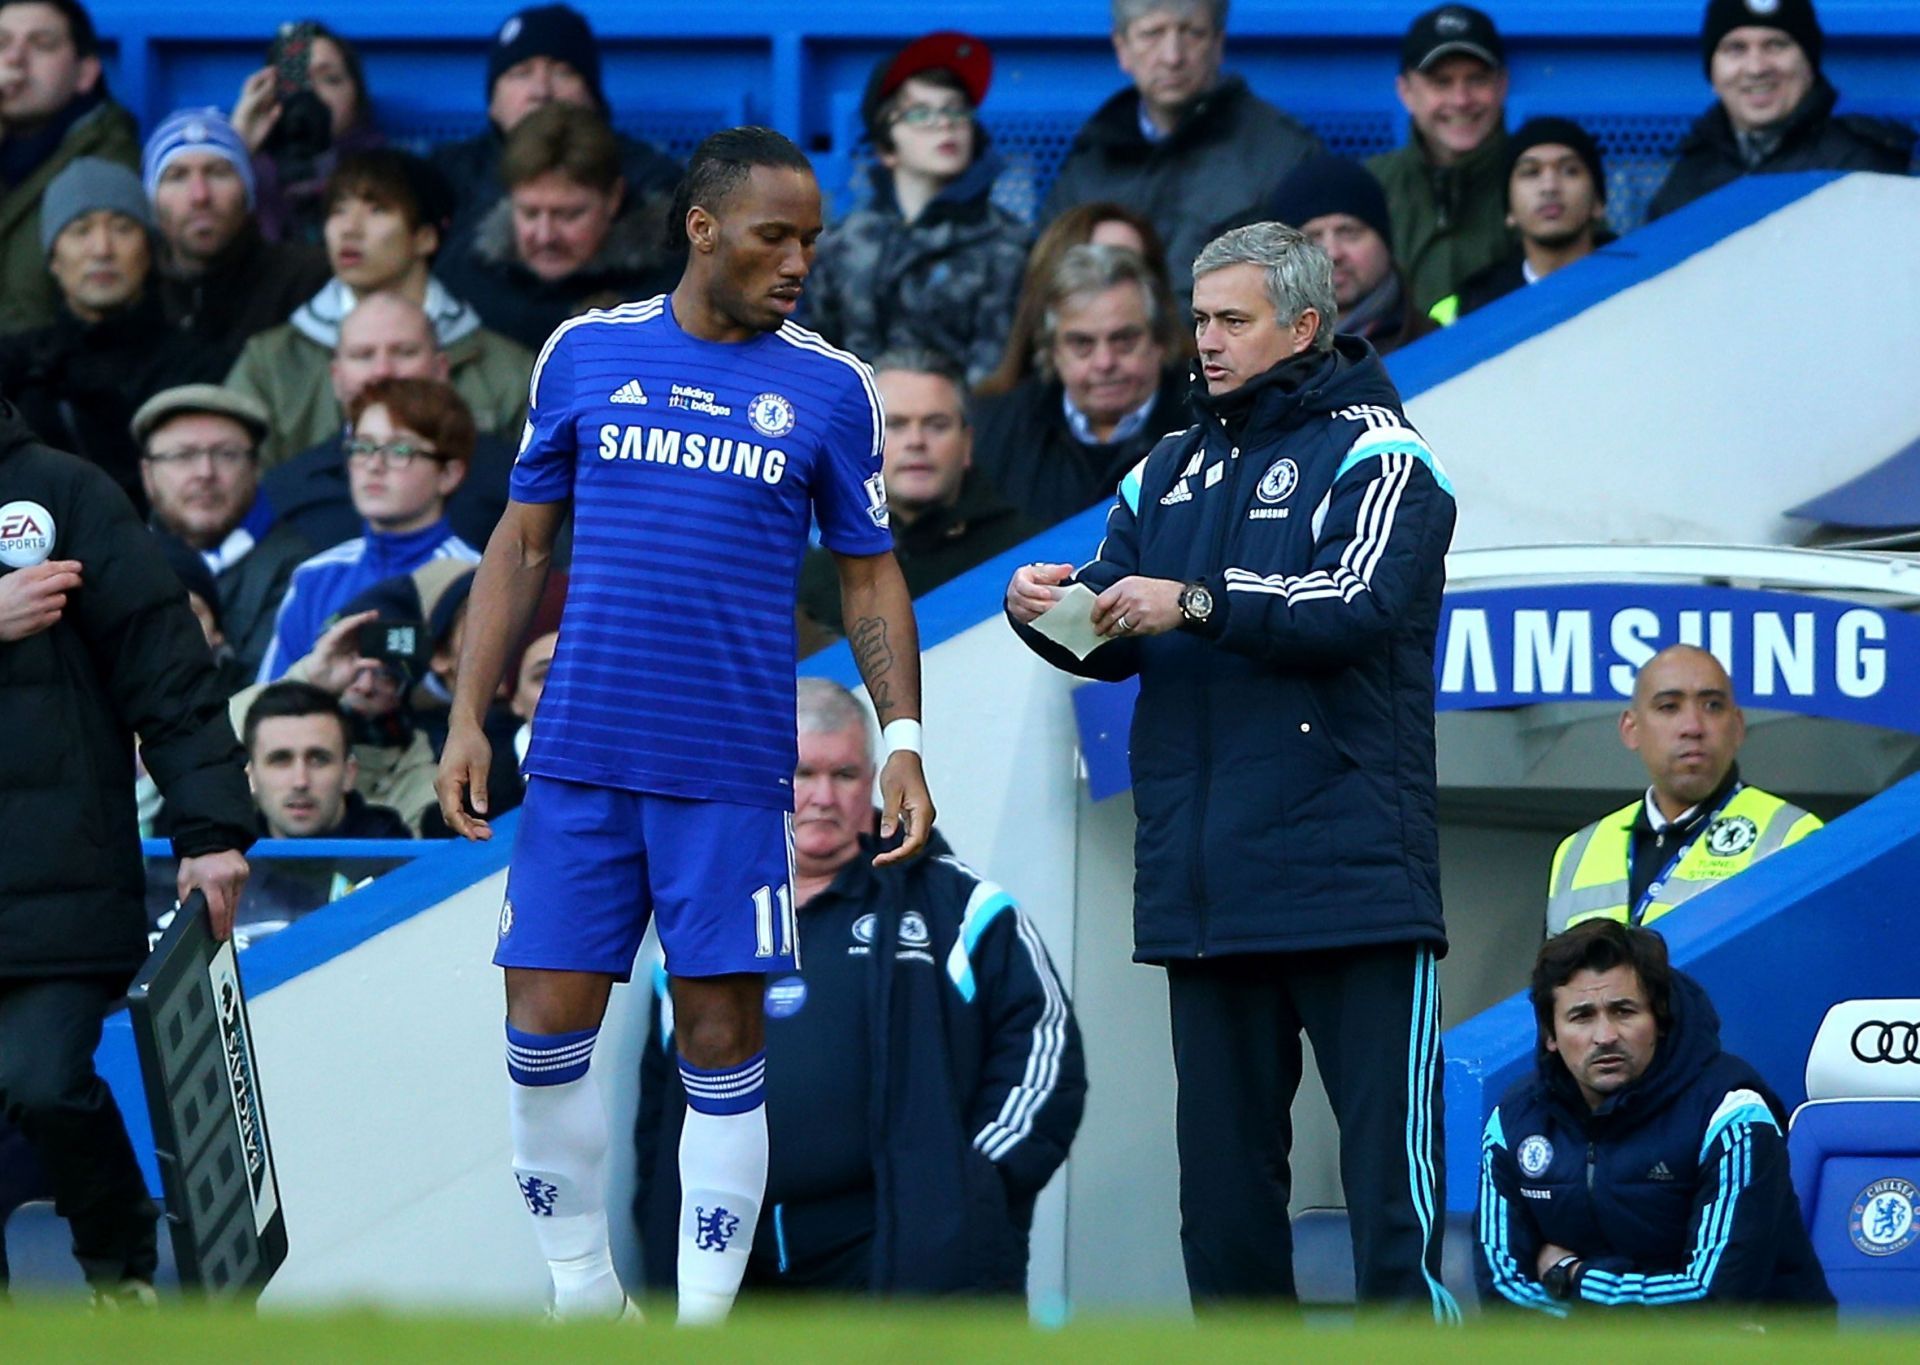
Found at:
(1855, 1149)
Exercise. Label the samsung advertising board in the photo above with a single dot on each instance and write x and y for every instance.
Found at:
(1585, 642)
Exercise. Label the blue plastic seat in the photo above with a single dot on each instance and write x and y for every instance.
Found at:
(1855, 1149)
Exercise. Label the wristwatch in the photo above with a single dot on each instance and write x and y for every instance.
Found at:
(1196, 604)
(1561, 1278)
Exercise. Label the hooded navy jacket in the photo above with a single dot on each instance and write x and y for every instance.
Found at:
(1675, 1191)
(1283, 760)
(975, 1061)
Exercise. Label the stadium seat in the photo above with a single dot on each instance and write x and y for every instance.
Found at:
(1855, 1149)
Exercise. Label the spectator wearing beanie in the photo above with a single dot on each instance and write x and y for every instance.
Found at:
(932, 262)
(1444, 186)
(545, 54)
(220, 279)
(79, 380)
(1556, 205)
(1343, 210)
(386, 213)
(1775, 108)
(53, 111)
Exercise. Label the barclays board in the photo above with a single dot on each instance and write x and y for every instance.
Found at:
(1818, 656)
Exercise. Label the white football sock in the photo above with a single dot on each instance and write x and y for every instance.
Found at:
(723, 1179)
(560, 1162)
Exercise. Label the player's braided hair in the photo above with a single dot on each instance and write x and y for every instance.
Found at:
(719, 165)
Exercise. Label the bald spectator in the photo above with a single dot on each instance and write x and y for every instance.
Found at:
(1109, 384)
(201, 471)
(386, 211)
(1185, 144)
(1698, 823)
(384, 337)
(1556, 204)
(946, 516)
(79, 380)
(1774, 109)
(53, 111)
(1446, 188)
(568, 236)
(221, 280)
(545, 54)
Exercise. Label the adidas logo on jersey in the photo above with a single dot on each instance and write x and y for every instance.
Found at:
(629, 392)
(1659, 1172)
(1180, 493)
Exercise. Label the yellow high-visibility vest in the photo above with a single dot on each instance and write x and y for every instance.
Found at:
(1590, 871)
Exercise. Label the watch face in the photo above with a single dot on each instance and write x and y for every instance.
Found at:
(1197, 603)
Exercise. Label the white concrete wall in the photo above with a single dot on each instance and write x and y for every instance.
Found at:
(1704, 402)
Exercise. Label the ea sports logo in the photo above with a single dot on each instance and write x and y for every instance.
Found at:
(1279, 481)
(1731, 835)
(26, 534)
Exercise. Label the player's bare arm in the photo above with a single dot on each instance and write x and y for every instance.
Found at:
(506, 590)
(886, 646)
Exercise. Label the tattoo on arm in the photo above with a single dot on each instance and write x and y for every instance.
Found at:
(874, 654)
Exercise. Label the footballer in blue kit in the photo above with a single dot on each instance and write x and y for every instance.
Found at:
(696, 437)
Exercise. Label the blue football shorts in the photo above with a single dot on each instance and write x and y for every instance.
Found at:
(591, 865)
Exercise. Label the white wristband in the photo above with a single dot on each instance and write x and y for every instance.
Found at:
(901, 734)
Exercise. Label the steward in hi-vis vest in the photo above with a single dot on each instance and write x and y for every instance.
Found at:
(1698, 823)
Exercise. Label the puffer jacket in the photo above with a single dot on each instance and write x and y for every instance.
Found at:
(1811, 139)
(126, 657)
(1283, 754)
(1675, 1192)
(633, 263)
(948, 280)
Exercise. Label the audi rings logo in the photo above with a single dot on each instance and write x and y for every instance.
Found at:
(1893, 1043)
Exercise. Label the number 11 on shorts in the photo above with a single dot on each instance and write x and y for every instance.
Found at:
(763, 906)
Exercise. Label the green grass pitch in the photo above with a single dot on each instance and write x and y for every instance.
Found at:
(847, 1334)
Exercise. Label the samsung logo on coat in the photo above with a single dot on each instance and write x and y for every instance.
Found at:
(1790, 651)
(692, 450)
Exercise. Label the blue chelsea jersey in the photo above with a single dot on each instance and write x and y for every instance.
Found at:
(695, 468)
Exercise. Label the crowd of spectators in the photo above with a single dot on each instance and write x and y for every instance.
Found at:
(303, 349)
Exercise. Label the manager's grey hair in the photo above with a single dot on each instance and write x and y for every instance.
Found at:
(824, 707)
(1094, 268)
(1298, 274)
(1126, 11)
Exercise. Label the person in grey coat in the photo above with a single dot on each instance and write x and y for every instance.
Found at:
(1185, 145)
(932, 262)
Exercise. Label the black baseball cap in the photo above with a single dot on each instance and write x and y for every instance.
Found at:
(1451, 31)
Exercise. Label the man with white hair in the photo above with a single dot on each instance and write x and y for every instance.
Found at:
(1184, 144)
(926, 1077)
(1272, 575)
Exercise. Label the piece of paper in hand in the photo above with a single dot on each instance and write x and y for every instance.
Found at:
(1069, 622)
